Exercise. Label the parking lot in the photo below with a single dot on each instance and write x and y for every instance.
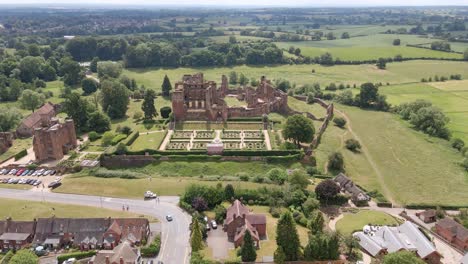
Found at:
(36, 179)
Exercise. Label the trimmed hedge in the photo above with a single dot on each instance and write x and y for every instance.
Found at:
(434, 206)
(21, 154)
(129, 141)
(153, 249)
(77, 255)
(118, 138)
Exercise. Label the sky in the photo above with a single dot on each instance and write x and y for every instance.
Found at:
(231, 3)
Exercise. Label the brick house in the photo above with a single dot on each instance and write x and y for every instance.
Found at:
(134, 230)
(41, 117)
(16, 234)
(239, 220)
(453, 232)
(54, 141)
(121, 254)
(358, 196)
(427, 216)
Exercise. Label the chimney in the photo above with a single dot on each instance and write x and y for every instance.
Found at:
(121, 260)
(107, 260)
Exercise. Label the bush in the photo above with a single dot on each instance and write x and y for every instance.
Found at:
(93, 136)
(336, 161)
(339, 121)
(458, 144)
(165, 111)
(77, 255)
(353, 145)
(129, 141)
(107, 138)
(137, 115)
(118, 138)
(125, 130)
(21, 154)
(152, 250)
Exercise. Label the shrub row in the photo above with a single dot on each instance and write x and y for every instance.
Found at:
(434, 206)
(76, 255)
(118, 138)
(152, 250)
(129, 141)
(21, 154)
(245, 119)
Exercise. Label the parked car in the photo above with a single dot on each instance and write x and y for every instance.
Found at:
(169, 218)
(213, 224)
(52, 172)
(150, 195)
(12, 172)
(25, 173)
(37, 182)
(54, 184)
(3, 171)
(18, 173)
(208, 228)
(46, 173)
(31, 172)
(40, 172)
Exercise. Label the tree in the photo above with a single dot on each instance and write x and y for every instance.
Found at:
(279, 256)
(310, 205)
(229, 192)
(299, 179)
(432, 121)
(71, 71)
(402, 257)
(30, 68)
(247, 251)
(327, 189)
(396, 42)
(336, 161)
(243, 80)
(89, 85)
(345, 35)
(220, 213)
(299, 129)
(322, 246)
(9, 118)
(165, 111)
(232, 39)
(109, 69)
(316, 222)
(99, 122)
(166, 86)
(381, 63)
(277, 175)
(351, 242)
(78, 109)
(114, 98)
(367, 95)
(93, 64)
(353, 145)
(199, 204)
(24, 256)
(465, 55)
(31, 100)
(339, 121)
(233, 77)
(106, 139)
(287, 238)
(147, 106)
(196, 241)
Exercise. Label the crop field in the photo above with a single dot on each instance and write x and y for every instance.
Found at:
(422, 170)
(450, 96)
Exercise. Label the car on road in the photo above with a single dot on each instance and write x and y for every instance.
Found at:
(169, 218)
(213, 224)
(54, 184)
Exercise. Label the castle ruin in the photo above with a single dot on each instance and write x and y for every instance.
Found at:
(54, 141)
(194, 98)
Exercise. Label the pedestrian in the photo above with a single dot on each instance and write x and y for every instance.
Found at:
(123, 207)
(127, 207)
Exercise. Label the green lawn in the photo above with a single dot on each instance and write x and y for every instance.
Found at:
(28, 210)
(450, 96)
(113, 187)
(351, 223)
(415, 168)
(18, 145)
(151, 140)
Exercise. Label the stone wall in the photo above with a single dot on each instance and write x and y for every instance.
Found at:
(6, 141)
(125, 161)
(330, 110)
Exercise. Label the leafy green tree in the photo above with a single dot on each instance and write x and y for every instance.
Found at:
(345, 35)
(220, 213)
(367, 95)
(327, 189)
(322, 246)
(106, 139)
(279, 256)
(229, 192)
(89, 85)
(147, 106)
(31, 100)
(351, 243)
(114, 98)
(458, 144)
(109, 68)
(464, 163)
(431, 120)
(243, 80)
(381, 63)
(287, 238)
(165, 111)
(71, 71)
(396, 42)
(9, 118)
(316, 222)
(339, 121)
(166, 86)
(247, 251)
(30, 68)
(310, 205)
(352, 144)
(99, 122)
(77, 108)
(402, 257)
(299, 178)
(93, 64)
(48, 73)
(24, 256)
(196, 241)
(277, 175)
(233, 77)
(299, 129)
(336, 161)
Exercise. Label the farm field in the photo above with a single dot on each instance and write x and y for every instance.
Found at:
(354, 222)
(396, 73)
(28, 210)
(422, 170)
(114, 187)
(450, 96)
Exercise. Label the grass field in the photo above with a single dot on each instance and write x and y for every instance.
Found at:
(414, 167)
(136, 188)
(152, 140)
(354, 222)
(451, 97)
(28, 210)
(396, 73)
(18, 145)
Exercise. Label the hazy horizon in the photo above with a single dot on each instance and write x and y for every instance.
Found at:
(236, 3)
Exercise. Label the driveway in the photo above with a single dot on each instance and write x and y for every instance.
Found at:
(175, 246)
(218, 243)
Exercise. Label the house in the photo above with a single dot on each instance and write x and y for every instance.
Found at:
(54, 141)
(133, 230)
(378, 241)
(240, 220)
(41, 117)
(427, 216)
(121, 254)
(16, 234)
(453, 232)
(358, 196)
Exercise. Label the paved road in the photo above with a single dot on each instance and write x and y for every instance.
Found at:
(175, 246)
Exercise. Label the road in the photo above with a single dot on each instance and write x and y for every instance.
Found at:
(175, 235)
